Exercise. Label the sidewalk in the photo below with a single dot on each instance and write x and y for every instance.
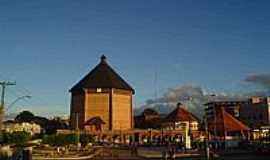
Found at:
(156, 154)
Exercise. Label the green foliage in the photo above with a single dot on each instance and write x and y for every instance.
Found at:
(66, 139)
(86, 138)
(7, 137)
(61, 139)
(21, 138)
(48, 139)
(24, 116)
(18, 138)
(71, 139)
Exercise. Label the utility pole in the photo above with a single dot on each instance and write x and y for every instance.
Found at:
(78, 130)
(155, 81)
(3, 84)
(215, 126)
(206, 138)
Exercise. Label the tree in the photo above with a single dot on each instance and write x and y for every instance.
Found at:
(42, 121)
(18, 137)
(24, 116)
(54, 124)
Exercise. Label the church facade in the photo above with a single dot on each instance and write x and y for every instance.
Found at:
(102, 101)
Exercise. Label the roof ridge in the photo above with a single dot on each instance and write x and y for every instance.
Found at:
(224, 114)
(102, 76)
(84, 77)
(184, 114)
(189, 113)
(109, 66)
(236, 121)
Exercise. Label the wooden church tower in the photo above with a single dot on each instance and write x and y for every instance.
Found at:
(102, 100)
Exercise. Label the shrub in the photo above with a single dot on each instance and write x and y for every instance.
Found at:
(86, 138)
(18, 137)
(48, 139)
(71, 139)
(61, 139)
(6, 137)
(21, 138)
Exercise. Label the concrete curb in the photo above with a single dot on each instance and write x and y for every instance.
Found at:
(69, 158)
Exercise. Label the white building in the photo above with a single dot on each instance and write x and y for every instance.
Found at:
(32, 128)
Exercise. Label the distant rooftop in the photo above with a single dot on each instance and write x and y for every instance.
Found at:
(220, 103)
(181, 114)
(253, 100)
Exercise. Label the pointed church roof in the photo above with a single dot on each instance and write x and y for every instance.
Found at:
(226, 122)
(181, 114)
(102, 76)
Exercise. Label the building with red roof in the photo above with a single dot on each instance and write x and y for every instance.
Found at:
(179, 118)
(225, 125)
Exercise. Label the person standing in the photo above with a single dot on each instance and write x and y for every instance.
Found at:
(173, 150)
(136, 149)
(164, 154)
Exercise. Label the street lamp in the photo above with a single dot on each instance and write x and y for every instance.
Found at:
(206, 129)
(16, 100)
(150, 134)
(2, 110)
(206, 138)
(215, 122)
(162, 135)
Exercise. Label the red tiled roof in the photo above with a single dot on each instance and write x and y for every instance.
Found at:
(181, 114)
(226, 122)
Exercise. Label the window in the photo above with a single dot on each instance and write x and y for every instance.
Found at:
(99, 90)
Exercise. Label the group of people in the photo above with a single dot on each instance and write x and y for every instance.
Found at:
(169, 153)
(133, 149)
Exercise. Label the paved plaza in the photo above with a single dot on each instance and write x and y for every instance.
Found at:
(109, 153)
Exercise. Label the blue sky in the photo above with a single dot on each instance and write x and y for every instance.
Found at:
(47, 46)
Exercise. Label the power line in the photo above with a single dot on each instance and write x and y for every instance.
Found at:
(3, 84)
(155, 83)
(19, 88)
